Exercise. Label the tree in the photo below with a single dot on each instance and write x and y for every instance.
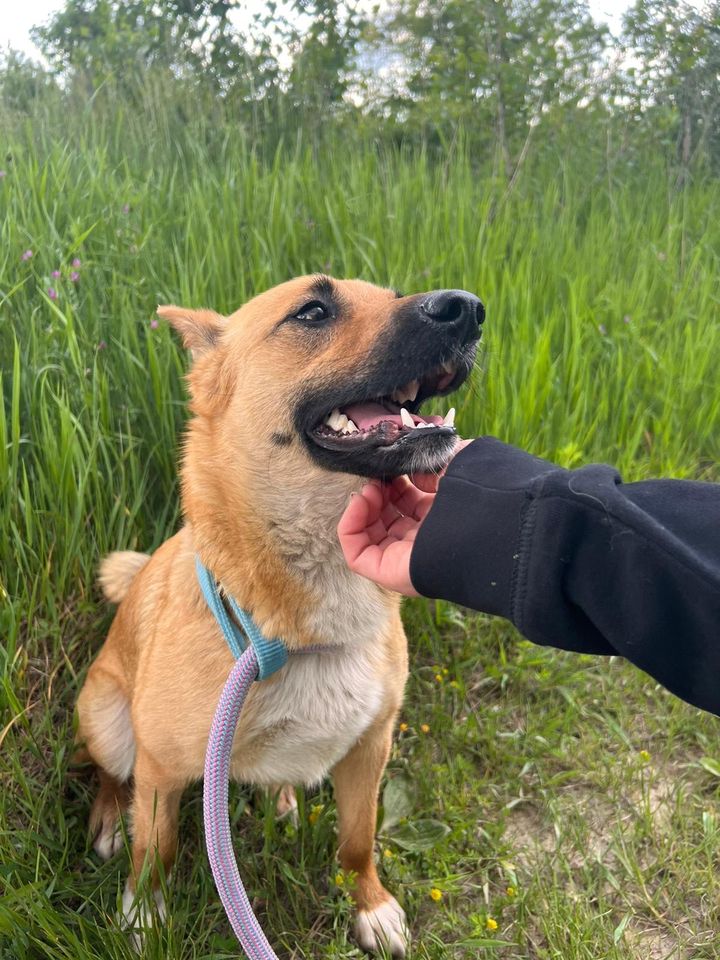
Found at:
(495, 65)
(99, 38)
(323, 39)
(676, 83)
(22, 82)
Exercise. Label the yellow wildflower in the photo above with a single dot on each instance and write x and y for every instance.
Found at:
(454, 684)
(436, 894)
(511, 891)
(439, 677)
(491, 924)
(339, 879)
(315, 812)
(644, 756)
(388, 854)
(445, 671)
(425, 728)
(403, 728)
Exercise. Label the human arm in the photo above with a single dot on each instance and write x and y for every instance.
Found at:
(581, 561)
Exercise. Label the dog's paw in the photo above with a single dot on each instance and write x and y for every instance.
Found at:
(384, 927)
(105, 824)
(109, 838)
(286, 805)
(136, 918)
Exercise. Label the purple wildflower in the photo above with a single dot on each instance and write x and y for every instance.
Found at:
(55, 274)
(154, 324)
(603, 329)
(3, 173)
(52, 293)
(76, 263)
(27, 255)
(126, 208)
(74, 276)
(627, 318)
(102, 345)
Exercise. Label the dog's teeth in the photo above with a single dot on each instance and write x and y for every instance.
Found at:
(449, 419)
(407, 392)
(420, 426)
(337, 421)
(351, 427)
(406, 418)
(334, 420)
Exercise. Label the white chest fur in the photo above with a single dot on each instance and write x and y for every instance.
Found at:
(306, 720)
(302, 724)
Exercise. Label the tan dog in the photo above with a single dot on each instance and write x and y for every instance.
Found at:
(295, 397)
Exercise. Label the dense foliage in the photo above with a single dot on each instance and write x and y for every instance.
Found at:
(508, 71)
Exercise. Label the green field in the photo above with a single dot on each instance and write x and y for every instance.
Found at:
(581, 801)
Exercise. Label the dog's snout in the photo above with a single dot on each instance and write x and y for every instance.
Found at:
(453, 306)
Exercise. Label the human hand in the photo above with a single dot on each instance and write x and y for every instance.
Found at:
(378, 529)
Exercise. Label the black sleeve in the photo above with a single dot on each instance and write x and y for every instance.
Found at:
(579, 560)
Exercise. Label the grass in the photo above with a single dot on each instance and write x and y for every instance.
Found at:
(577, 802)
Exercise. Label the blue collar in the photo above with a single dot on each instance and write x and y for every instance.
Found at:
(271, 654)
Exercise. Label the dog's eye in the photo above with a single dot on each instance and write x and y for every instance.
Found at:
(313, 312)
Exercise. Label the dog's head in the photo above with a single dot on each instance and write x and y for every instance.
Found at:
(333, 373)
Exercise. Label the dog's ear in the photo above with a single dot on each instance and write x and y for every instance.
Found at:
(211, 380)
(199, 329)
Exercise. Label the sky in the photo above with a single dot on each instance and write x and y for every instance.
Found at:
(18, 18)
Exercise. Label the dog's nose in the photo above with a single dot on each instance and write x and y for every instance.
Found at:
(453, 306)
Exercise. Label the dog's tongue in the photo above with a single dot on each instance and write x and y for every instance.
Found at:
(367, 415)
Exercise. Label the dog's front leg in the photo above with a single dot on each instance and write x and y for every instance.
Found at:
(155, 809)
(381, 920)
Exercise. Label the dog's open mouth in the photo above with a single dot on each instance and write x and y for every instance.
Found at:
(386, 419)
(381, 433)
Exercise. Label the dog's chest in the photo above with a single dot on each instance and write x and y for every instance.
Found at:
(307, 719)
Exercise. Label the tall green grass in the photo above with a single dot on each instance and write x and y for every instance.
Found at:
(602, 343)
(602, 338)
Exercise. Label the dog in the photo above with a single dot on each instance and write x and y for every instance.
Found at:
(297, 397)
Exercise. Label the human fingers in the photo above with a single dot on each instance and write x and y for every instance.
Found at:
(384, 559)
(408, 499)
(355, 529)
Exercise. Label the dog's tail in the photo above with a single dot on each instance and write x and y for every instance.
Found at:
(118, 570)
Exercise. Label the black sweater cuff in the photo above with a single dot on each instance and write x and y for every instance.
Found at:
(440, 565)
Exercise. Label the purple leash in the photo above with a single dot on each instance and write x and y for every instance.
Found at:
(215, 806)
(257, 658)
